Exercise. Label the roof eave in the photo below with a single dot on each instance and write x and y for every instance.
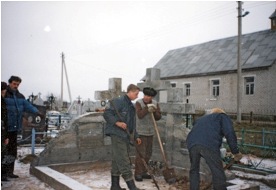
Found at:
(214, 73)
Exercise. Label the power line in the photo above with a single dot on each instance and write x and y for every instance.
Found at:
(209, 15)
(99, 68)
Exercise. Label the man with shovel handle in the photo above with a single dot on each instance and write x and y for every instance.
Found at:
(120, 123)
(144, 108)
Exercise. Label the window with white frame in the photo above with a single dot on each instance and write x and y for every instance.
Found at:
(173, 84)
(187, 89)
(249, 85)
(273, 22)
(215, 87)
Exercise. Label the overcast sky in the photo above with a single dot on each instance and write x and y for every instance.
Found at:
(107, 39)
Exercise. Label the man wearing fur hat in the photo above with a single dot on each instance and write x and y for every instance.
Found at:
(145, 129)
(205, 140)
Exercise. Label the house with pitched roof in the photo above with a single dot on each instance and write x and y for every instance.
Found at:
(207, 72)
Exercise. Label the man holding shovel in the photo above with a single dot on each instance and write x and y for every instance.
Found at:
(144, 126)
(121, 127)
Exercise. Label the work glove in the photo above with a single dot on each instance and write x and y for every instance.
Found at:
(151, 108)
(238, 157)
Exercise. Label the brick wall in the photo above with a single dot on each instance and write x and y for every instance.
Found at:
(262, 102)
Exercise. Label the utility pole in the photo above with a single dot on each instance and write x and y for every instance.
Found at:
(239, 68)
(69, 91)
(61, 93)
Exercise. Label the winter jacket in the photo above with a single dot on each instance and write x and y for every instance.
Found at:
(144, 123)
(4, 120)
(127, 113)
(16, 105)
(209, 130)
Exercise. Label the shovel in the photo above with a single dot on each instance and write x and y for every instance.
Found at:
(147, 168)
(168, 173)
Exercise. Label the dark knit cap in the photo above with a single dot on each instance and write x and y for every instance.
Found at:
(4, 86)
(149, 91)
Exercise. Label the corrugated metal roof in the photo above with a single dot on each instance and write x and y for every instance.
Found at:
(258, 50)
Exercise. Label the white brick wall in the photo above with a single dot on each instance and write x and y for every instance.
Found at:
(262, 102)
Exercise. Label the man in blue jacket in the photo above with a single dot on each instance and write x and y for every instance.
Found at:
(121, 127)
(205, 140)
(16, 105)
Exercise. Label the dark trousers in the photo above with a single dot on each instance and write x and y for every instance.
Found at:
(145, 148)
(3, 166)
(214, 162)
(11, 150)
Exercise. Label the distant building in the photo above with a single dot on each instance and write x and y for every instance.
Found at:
(207, 72)
(273, 20)
(38, 100)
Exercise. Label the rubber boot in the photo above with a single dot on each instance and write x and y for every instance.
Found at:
(131, 185)
(115, 183)
(3, 173)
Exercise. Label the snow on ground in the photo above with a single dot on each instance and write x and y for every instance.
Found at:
(100, 179)
(26, 181)
(259, 163)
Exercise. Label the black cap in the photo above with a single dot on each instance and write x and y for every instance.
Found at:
(4, 86)
(149, 91)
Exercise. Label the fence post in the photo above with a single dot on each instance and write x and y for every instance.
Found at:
(251, 117)
(33, 140)
(263, 133)
(242, 141)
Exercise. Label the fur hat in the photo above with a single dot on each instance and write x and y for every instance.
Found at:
(149, 91)
(3, 86)
(217, 110)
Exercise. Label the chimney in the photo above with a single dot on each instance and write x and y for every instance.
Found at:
(273, 21)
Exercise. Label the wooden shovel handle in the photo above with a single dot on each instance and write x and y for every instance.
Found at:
(159, 140)
(147, 167)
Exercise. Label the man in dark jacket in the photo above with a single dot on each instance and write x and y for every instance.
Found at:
(16, 105)
(4, 131)
(205, 141)
(121, 126)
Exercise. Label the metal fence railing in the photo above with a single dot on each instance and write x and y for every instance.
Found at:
(267, 140)
(262, 140)
(257, 116)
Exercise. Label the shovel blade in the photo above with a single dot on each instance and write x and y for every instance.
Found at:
(169, 175)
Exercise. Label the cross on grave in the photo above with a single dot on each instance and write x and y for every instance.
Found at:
(152, 79)
(174, 95)
(79, 98)
(114, 90)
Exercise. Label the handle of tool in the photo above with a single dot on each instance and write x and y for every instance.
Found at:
(229, 164)
(159, 140)
(147, 167)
